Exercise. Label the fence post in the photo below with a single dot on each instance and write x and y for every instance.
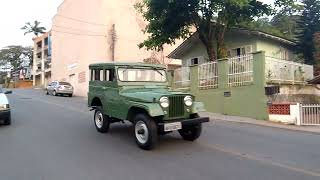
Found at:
(299, 114)
(223, 72)
(194, 80)
(259, 72)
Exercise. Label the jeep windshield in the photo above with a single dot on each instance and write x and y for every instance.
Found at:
(129, 74)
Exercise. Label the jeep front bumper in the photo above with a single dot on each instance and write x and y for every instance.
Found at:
(187, 122)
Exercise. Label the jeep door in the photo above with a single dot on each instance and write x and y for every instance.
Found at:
(105, 87)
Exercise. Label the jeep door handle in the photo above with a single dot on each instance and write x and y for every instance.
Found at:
(104, 88)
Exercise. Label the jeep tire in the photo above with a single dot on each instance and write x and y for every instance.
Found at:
(191, 133)
(145, 131)
(101, 121)
(7, 121)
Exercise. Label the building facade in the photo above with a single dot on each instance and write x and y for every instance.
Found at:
(42, 60)
(96, 31)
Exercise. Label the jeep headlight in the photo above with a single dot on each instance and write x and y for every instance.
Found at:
(4, 106)
(188, 101)
(164, 102)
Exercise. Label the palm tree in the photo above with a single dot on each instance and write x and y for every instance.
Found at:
(35, 28)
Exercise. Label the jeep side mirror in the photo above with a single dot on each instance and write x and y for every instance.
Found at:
(8, 92)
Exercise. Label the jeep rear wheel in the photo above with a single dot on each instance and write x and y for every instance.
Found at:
(101, 121)
(145, 131)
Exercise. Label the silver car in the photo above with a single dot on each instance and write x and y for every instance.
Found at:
(60, 88)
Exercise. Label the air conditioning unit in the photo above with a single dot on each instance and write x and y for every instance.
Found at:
(271, 90)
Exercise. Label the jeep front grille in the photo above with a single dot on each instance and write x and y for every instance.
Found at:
(176, 108)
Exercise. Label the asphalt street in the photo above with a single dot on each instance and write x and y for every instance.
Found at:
(54, 138)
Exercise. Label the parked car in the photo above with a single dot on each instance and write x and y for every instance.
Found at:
(59, 88)
(140, 94)
(5, 112)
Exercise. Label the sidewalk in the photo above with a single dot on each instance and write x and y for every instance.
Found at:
(237, 119)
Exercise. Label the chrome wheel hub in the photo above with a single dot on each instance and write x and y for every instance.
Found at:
(141, 132)
(99, 119)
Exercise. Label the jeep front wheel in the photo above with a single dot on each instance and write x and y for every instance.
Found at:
(101, 121)
(145, 131)
(191, 133)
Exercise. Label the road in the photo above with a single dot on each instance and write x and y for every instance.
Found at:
(54, 138)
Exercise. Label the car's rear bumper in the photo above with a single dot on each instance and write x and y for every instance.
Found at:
(188, 122)
(65, 91)
(5, 114)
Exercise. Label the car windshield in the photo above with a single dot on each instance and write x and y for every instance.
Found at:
(142, 75)
(65, 83)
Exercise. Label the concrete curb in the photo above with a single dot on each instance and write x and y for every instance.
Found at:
(233, 119)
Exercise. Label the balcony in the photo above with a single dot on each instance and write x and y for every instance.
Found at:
(287, 72)
(47, 67)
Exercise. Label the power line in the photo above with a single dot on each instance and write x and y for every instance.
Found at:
(80, 20)
(70, 28)
(79, 34)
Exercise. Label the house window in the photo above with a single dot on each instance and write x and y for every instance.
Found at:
(239, 51)
(194, 61)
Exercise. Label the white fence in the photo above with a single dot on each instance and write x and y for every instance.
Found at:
(309, 114)
(182, 78)
(240, 70)
(282, 71)
(208, 75)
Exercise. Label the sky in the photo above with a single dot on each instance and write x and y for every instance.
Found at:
(15, 13)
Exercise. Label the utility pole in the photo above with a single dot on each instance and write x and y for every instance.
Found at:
(113, 40)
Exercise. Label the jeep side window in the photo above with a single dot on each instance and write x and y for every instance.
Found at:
(98, 75)
(91, 75)
(108, 75)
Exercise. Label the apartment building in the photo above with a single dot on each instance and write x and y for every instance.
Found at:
(42, 60)
(96, 31)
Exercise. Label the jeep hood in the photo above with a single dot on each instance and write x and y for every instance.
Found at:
(148, 95)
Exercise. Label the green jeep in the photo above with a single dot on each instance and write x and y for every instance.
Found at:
(140, 94)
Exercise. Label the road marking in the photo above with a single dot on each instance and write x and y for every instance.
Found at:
(52, 103)
(262, 160)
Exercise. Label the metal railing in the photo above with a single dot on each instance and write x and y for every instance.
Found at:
(283, 71)
(181, 78)
(240, 70)
(310, 114)
(208, 75)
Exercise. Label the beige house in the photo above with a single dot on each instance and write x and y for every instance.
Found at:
(96, 31)
(42, 60)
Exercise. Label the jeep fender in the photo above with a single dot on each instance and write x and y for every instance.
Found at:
(153, 109)
(197, 107)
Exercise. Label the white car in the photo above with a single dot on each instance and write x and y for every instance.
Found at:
(5, 113)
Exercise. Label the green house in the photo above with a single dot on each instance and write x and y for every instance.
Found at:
(261, 69)
(238, 42)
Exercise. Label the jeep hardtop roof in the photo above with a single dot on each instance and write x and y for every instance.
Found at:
(119, 64)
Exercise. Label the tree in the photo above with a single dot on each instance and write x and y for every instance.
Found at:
(316, 56)
(15, 56)
(308, 25)
(285, 19)
(173, 19)
(35, 28)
